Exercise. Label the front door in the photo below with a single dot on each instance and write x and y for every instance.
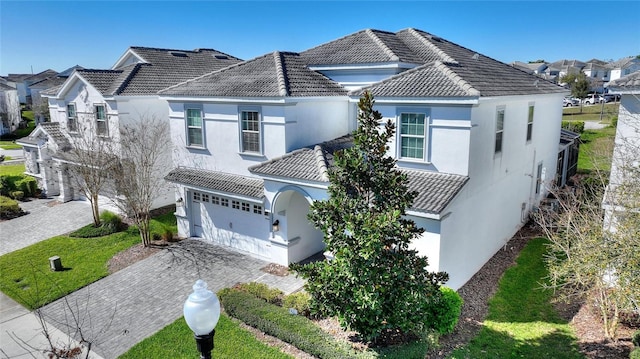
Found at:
(196, 215)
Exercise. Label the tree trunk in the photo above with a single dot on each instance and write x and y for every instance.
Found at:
(95, 210)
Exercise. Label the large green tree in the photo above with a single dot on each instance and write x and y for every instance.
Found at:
(578, 84)
(375, 282)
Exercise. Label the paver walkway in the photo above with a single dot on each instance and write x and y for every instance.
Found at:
(122, 309)
(47, 218)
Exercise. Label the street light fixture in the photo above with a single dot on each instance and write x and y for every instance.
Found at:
(202, 312)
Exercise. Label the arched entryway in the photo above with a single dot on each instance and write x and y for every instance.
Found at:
(297, 235)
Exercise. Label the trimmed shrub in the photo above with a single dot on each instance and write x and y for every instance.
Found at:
(28, 185)
(9, 207)
(276, 321)
(261, 290)
(89, 231)
(445, 311)
(17, 195)
(298, 301)
(635, 338)
(635, 353)
(111, 221)
(573, 126)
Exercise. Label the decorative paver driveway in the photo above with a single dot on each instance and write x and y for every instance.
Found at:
(47, 218)
(122, 309)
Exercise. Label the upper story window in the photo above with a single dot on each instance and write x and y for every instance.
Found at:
(251, 138)
(499, 129)
(101, 120)
(194, 127)
(530, 123)
(413, 130)
(72, 119)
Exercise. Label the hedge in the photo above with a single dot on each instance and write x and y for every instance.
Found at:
(8, 207)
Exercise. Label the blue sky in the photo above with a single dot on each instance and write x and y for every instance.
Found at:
(57, 35)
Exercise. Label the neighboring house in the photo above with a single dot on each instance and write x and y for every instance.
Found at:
(562, 68)
(537, 68)
(39, 104)
(100, 103)
(22, 82)
(10, 115)
(477, 138)
(625, 165)
(624, 67)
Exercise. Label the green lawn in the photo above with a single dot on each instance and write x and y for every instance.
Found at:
(11, 170)
(26, 276)
(522, 322)
(591, 113)
(9, 145)
(176, 341)
(596, 149)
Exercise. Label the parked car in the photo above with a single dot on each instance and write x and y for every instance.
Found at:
(569, 101)
(592, 99)
(610, 97)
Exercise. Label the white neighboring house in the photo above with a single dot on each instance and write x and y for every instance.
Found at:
(477, 138)
(104, 102)
(626, 153)
(10, 116)
(624, 67)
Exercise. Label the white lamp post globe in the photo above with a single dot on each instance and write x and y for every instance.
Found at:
(202, 309)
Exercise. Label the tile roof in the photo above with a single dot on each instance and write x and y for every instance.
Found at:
(435, 189)
(277, 74)
(49, 82)
(218, 181)
(630, 82)
(161, 68)
(4, 87)
(52, 129)
(444, 68)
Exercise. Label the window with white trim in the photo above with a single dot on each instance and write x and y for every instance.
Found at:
(195, 136)
(196, 196)
(530, 123)
(246, 207)
(72, 119)
(257, 209)
(235, 204)
(224, 202)
(413, 130)
(100, 112)
(499, 129)
(215, 200)
(250, 131)
(205, 197)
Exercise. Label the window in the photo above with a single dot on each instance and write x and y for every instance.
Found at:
(539, 178)
(101, 120)
(530, 123)
(224, 202)
(499, 129)
(246, 207)
(257, 209)
(72, 119)
(412, 135)
(205, 197)
(215, 200)
(235, 204)
(250, 131)
(196, 196)
(194, 127)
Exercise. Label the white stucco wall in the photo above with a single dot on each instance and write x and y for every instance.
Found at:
(447, 137)
(496, 201)
(284, 126)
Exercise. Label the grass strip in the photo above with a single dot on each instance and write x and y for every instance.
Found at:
(176, 341)
(522, 322)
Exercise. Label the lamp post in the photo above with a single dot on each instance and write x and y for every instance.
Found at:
(202, 312)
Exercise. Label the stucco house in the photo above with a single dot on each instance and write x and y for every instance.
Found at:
(253, 142)
(625, 165)
(96, 104)
(10, 116)
(624, 67)
(21, 82)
